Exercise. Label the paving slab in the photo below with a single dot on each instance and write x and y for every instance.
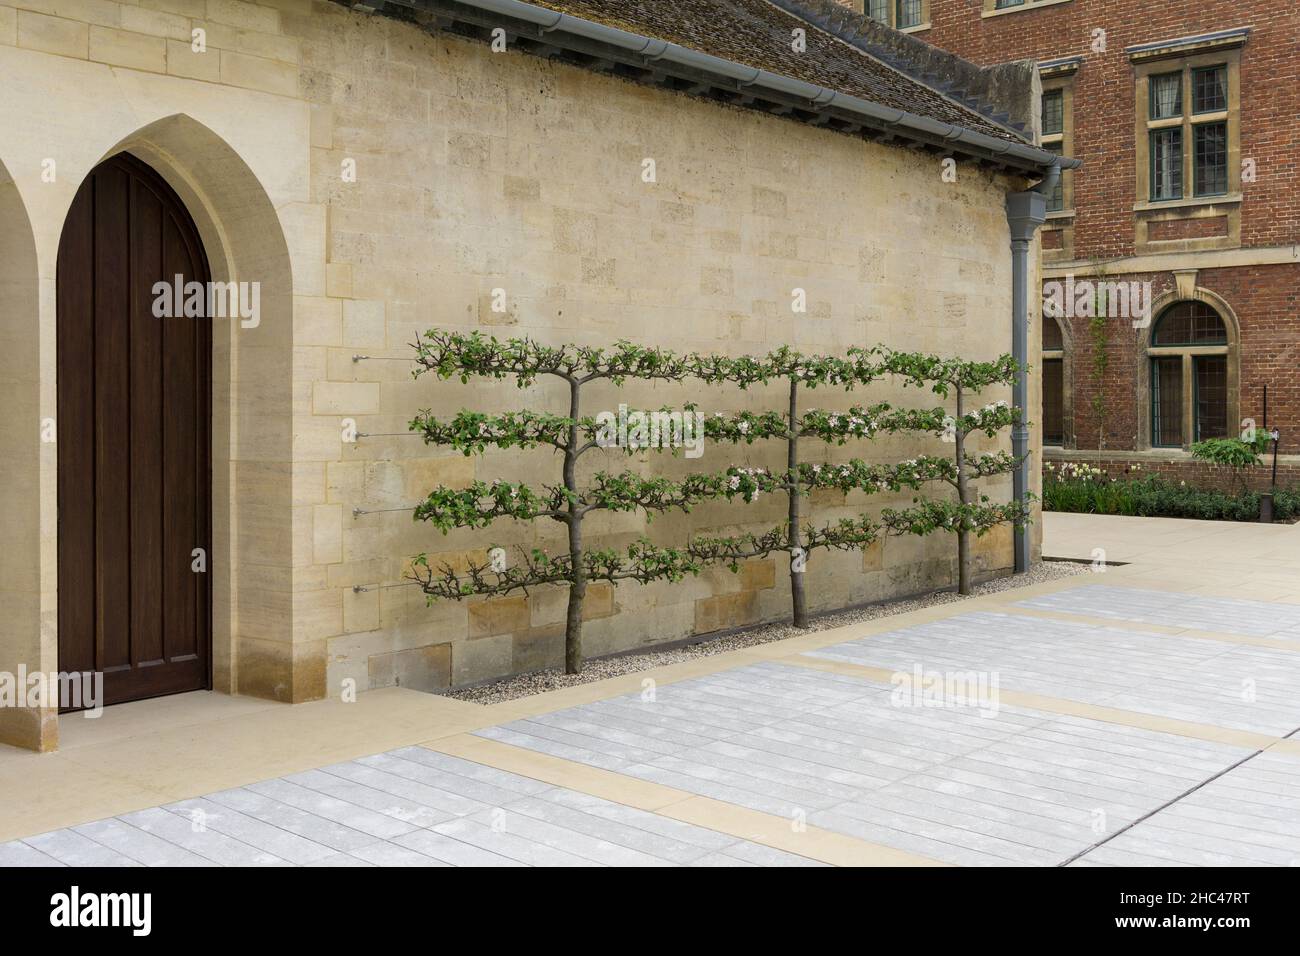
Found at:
(963, 785)
(1249, 816)
(1244, 687)
(407, 807)
(1176, 609)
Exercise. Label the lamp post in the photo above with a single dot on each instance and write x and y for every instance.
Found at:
(1266, 499)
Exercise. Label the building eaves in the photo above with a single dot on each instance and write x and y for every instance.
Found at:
(543, 29)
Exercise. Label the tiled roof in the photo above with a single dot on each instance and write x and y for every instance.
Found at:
(758, 34)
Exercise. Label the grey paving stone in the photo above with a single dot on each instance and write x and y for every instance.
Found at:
(398, 807)
(211, 845)
(350, 815)
(1175, 609)
(389, 854)
(18, 853)
(1011, 786)
(720, 860)
(573, 837)
(1235, 820)
(70, 848)
(1234, 686)
(474, 771)
(138, 845)
(395, 782)
(494, 836)
(266, 836)
(759, 855)
(675, 831)
(318, 829)
(663, 848)
(971, 785)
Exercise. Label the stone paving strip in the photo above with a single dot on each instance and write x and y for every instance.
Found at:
(408, 807)
(1173, 608)
(1250, 816)
(1243, 687)
(959, 785)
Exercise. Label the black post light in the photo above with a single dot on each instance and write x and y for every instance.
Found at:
(1266, 499)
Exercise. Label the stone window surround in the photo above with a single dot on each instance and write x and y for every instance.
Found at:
(1063, 354)
(991, 9)
(1186, 291)
(1185, 56)
(1059, 75)
(891, 6)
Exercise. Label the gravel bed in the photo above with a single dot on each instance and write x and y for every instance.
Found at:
(525, 685)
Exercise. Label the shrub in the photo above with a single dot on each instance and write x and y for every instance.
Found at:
(1084, 489)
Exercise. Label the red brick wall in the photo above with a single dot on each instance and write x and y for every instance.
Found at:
(1187, 228)
(1265, 301)
(1264, 298)
(1104, 98)
(1196, 473)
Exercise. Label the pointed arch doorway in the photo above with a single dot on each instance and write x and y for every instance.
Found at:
(134, 439)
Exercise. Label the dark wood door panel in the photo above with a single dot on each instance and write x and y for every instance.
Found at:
(134, 408)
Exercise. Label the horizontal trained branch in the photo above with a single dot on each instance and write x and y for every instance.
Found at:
(980, 516)
(666, 429)
(642, 561)
(456, 354)
(481, 503)
(939, 374)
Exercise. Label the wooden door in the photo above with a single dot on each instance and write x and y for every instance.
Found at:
(133, 427)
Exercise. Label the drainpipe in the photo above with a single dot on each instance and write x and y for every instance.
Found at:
(1026, 211)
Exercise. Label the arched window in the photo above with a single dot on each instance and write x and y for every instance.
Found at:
(1053, 382)
(1189, 375)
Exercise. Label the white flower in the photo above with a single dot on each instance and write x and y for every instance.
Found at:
(734, 483)
(743, 428)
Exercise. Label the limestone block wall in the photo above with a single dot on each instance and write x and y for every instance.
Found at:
(474, 172)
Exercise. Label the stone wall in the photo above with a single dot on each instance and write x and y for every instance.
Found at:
(476, 172)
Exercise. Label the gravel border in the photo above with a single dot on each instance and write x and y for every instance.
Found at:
(539, 682)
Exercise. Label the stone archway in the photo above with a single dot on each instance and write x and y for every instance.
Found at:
(26, 434)
(1159, 306)
(252, 559)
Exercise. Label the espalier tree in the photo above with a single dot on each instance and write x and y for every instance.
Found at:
(452, 354)
(801, 477)
(972, 511)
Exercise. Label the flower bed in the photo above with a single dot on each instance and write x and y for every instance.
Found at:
(1087, 489)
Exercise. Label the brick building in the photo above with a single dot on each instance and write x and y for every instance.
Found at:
(1184, 114)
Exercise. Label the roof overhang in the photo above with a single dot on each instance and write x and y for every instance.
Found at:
(645, 59)
(1185, 46)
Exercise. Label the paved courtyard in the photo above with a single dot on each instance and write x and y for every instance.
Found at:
(1102, 720)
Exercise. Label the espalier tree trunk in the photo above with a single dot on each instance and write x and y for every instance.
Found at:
(859, 368)
(798, 557)
(971, 512)
(449, 354)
